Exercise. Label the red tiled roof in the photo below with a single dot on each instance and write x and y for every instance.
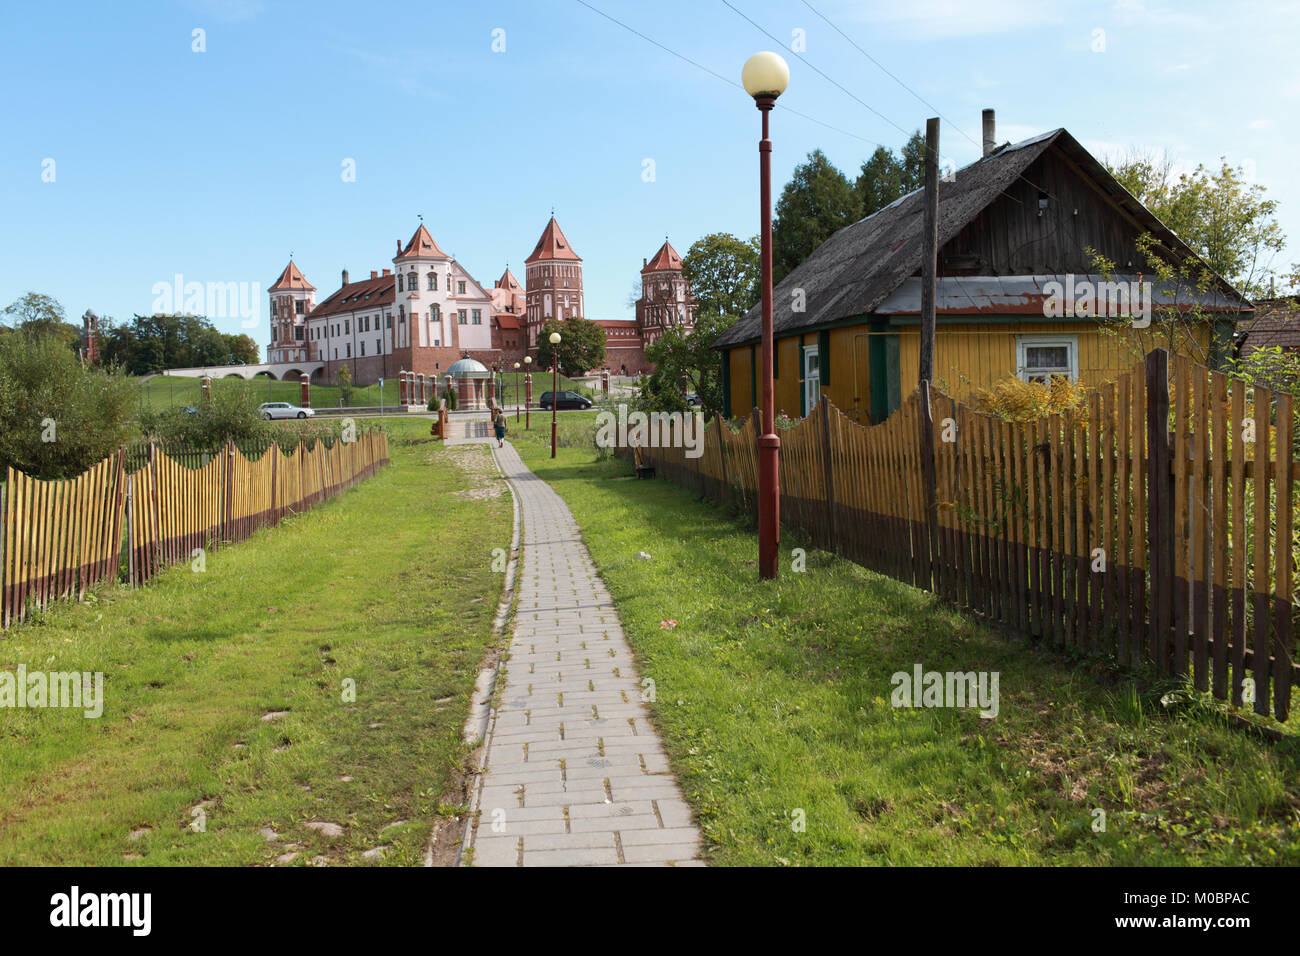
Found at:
(553, 245)
(506, 320)
(365, 294)
(291, 278)
(666, 258)
(508, 281)
(421, 244)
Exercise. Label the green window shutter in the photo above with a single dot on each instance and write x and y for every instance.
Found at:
(824, 357)
(726, 384)
(753, 377)
(803, 392)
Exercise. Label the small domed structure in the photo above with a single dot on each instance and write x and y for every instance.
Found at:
(469, 376)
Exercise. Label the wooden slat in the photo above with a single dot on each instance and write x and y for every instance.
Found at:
(1282, 637)
(1259, 567)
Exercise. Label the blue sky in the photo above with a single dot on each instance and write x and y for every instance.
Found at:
(216, 165)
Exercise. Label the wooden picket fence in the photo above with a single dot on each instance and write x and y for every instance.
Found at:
(1155, 525)
(58, 538)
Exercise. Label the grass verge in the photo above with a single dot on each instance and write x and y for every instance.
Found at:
(774, 701)
(226, 690)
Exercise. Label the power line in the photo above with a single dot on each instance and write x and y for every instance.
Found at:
(717, 75)
(824, 76)
(887, 73)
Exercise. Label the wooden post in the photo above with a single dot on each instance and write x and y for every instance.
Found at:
(926, 439)
(929, 248)
(1160, 528)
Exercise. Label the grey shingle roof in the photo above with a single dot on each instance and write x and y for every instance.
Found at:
(853, 271)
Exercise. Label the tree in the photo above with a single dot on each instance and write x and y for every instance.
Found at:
(243, 350)
(886, 177)
(724, 273)
(677, 354)
(1228, 221)
(344, 379)
(41, 314)
(816, 202)
(151, 343)
(56, 417)
(582, 345)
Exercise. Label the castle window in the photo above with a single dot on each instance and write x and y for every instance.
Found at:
(433, 281)
(300, 307)
(347, 326)
(478, 317)
(399, 282)
(460, 317)
(379, 346)
(349, 350)
(363, 348)
(401, 313)
(389, 317)
(413, 282)
(460, 288)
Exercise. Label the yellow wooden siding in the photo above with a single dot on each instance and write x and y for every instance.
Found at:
(971, 357)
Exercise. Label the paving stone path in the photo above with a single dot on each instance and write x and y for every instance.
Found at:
(575, 773)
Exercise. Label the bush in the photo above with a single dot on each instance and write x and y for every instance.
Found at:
(230, 415)
(450, 396)
(1014, 400)
(57, 418)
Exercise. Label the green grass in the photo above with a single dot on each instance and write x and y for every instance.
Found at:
(774, 701)
(389, 586)
(167, 391)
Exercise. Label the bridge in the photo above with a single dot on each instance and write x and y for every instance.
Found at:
(284, 371)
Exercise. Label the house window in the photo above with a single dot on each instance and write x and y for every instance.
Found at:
(478, 317)
(460, 288)
(1041, 357)
(460, 317)
(433, 281)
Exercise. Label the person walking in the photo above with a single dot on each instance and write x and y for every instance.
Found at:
(499, 425)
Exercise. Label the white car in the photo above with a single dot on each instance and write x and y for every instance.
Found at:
(271, 410)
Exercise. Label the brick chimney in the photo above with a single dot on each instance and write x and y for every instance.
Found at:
(388, 272)
(990, 133)
(374, 273)
(345, 276)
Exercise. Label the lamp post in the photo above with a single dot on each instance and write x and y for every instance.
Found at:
(528, 392)
(516, 392)
(555, 384)
(765, 76)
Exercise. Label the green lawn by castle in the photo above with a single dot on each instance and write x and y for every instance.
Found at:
(169, 391)
(388, 586)
(774, 702)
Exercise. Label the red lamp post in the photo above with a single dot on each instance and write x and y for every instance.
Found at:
(555, 384)
(765, 76)
(528, 393)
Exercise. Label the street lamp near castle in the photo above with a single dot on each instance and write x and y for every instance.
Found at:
(765, 77)
(555, 384)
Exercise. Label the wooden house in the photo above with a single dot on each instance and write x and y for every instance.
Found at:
(1015, 230)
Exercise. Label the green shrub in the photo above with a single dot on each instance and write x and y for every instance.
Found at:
(230, 414)
(57, 418)
(450, 396)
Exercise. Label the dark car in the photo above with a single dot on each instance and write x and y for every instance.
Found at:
(566, 400)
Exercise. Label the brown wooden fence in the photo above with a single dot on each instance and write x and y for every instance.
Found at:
(1155, 524)
(57, 538)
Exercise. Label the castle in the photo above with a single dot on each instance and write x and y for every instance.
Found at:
(427, 311)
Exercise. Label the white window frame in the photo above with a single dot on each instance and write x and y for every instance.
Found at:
(1045, 340)
(812, 386)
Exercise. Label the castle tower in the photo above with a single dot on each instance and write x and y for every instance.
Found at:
(553, 282)
(666, 299)
(292, 299)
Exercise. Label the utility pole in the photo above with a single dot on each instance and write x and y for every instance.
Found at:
(929, 248)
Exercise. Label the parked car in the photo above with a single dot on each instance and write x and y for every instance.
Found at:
(271, 410)
(566, 400)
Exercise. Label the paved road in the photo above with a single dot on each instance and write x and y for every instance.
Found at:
(576, 775)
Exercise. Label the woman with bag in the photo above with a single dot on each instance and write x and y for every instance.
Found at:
(499, 425)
